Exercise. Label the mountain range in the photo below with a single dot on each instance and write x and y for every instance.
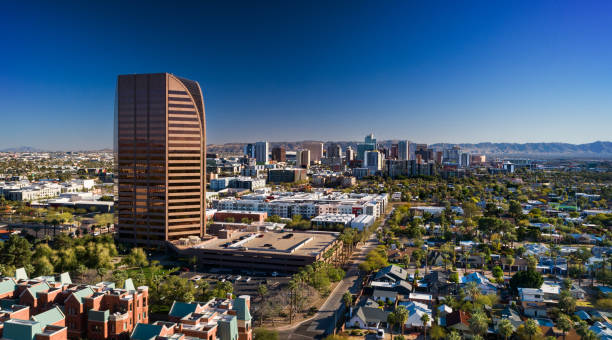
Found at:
(599, 149)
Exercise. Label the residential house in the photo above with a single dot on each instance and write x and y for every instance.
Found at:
(481, 281)
(416, 310)
(459, 321)
(368, 315)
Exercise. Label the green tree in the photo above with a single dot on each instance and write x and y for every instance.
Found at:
(526, 279)
(402, 315)
(347, 298)
(436, 332)
(42, 266)
(565, 324)
(262, 291)
(453, 335)
(529, 330)
(136, 258)
(567, 303)
(425, 321)
(479, 323)
(505, 329)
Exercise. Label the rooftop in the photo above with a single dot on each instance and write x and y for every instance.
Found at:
(294, 242)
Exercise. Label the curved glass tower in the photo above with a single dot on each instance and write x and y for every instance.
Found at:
(160, 158)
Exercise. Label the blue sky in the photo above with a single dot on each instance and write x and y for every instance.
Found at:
(429, 71)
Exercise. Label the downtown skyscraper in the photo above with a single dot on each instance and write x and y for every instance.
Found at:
(160, 150)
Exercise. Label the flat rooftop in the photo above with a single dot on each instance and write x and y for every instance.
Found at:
(301, 243)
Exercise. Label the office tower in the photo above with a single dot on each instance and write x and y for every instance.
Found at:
(369, 139)
(423, 154)
(465, 160)
(374, 161)
(403, 150)
(302, 159)
(249, 150)
(394, 152)
(262, 152)
(368, 145)
(316, 150)
(160, 150)
(350, 154)
(334, 150)
(451, 155)
(279, 154)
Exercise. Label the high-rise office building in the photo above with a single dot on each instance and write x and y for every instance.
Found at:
(262, 151)
(350, 154)
(334, 150)
(403, 150)
(316, 150)
(160, 150)
(249, 150)
(465, 160)
(279, 154)
(302, 159)
(368, 145)
(374, 161)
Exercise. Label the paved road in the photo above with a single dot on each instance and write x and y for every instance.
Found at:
(324, 319)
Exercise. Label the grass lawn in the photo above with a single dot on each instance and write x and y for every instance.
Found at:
(581, 303)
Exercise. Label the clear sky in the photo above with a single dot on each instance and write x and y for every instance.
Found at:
(428, 71)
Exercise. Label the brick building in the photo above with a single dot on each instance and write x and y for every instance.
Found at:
(227, 319)
(95, 312)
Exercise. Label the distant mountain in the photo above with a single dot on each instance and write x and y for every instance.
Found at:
(597, 149)
(21, 149)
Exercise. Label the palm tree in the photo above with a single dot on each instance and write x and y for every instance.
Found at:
(347, 298)
(479, 323)
(425, 320)
(472, 290)
(531, 328)
(565, 324)
(391, 321)
(402, 316)
(453, 336)
(505, 328)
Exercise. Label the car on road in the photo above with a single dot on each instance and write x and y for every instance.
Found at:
(380, 333)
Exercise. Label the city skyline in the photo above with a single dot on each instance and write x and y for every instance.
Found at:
(436, 72)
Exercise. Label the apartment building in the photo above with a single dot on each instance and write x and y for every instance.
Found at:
(95, 312)
(216, 319)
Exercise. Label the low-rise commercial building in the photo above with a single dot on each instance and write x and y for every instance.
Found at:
(266, 251)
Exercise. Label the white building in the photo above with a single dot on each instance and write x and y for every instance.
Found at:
(262, 152)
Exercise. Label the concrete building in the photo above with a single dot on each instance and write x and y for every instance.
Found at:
(249, 150)
(316, 150)
(279, 154)
(160, 147)
(262, 152)
(350, 154)
(478, 159)
(374, 161)
(266, 251)
(302, 159)
(334, 150)
(287, 175)
(368, 145)
(403, 150)
(237, 183)
(465, 160)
